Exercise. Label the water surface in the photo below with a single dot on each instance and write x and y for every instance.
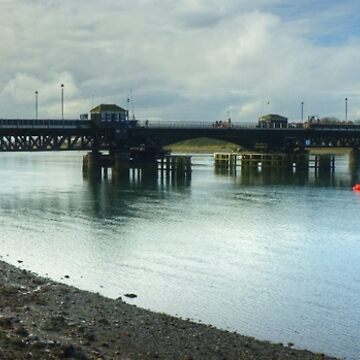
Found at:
(269, 254)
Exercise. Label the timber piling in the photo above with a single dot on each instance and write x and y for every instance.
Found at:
(290, 161)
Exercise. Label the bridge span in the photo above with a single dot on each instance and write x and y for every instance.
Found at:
(249, 135)
(72, 134)
(51, 135)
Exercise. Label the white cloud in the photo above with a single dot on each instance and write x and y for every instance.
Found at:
(185, 60)
(20, 93)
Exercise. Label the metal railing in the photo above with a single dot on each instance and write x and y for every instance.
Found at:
(86, 124)
(43, 123)
(192, 125)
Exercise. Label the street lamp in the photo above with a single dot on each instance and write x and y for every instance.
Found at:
(302, 112)
(36, 105)
(346, 109)
(62, 101)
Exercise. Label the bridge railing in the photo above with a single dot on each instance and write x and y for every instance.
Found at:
(248, 125)
(43, 123)
(193, 125)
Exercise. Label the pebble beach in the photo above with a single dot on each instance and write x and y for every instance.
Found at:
(44, 319)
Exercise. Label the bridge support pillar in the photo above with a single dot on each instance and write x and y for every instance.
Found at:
(324, 163)
(176, 165)
(91, 163)
(299, 161)
(225, 160)
(225, 163)
(94, 162)
(121, 160)
(121, 165)
(354, 159)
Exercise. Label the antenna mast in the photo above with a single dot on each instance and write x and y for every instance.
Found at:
(132, 105)
(127, 106)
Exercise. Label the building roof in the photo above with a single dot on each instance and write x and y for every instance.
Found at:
(107, 107)
(272, 117)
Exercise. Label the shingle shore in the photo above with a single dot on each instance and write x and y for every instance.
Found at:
(43, 319)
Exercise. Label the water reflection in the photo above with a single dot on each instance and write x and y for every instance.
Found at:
(266, 253)
(256, 176)
(117, 193)
(144, 176)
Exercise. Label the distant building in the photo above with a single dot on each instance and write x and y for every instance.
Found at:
(272, 121)
(110, 115)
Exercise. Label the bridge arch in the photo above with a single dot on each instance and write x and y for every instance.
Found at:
(202, 144)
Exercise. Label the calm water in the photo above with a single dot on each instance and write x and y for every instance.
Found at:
(269, 255)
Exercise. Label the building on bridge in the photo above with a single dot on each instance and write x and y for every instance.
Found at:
(109, 115)
(272, 121)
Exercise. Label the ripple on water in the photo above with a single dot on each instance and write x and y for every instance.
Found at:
(273, 257)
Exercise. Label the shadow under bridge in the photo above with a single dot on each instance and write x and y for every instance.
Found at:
(249, 138)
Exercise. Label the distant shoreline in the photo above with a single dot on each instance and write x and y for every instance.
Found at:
(44, 319)
(208, 146)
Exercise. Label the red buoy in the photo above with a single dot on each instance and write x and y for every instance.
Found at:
(356, 187)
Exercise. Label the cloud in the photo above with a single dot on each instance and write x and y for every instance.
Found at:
(189, 60)
(20, 93)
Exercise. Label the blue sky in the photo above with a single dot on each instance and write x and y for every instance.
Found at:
(333, 22)
(190, 60)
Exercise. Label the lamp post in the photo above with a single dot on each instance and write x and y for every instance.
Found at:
(346, 109)
(302, 112)
(62, 102)
(36, 105)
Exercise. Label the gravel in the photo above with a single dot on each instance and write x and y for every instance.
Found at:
(43, 319)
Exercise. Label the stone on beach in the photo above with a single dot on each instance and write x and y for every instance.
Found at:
(43, 319)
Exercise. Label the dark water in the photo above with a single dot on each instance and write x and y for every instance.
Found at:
(268, 254)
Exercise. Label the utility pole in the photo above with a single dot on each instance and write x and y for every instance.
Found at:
(346, 109)
(302, 112)
(36, 105)
(132, 105)
(62, 102)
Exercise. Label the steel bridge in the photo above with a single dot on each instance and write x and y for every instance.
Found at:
(249, 135)
(57, 135)
(52, 135)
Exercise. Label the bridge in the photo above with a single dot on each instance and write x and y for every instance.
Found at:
(51, 135)
(72, 134)
(249, 135)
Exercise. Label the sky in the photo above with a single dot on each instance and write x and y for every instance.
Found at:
(183, 60)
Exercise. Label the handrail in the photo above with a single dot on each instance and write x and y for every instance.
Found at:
(195, 125)
(44, 123)
(78, 123)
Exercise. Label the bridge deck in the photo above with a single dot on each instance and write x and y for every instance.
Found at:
(48, 134)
